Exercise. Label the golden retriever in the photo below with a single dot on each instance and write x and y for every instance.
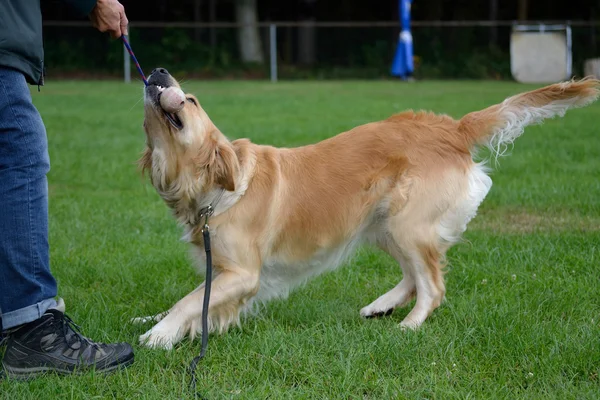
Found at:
(407, 184)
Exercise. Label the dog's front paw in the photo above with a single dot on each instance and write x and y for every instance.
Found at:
(159, 337)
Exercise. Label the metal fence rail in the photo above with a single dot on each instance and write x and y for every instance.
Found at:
(334, 24)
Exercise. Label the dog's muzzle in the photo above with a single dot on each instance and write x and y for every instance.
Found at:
(159, 80)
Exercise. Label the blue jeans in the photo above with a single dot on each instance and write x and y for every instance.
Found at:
(27, 287)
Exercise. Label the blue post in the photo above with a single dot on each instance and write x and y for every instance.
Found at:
(402, 66)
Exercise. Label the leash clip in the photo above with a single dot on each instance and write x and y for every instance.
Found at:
(209, 211)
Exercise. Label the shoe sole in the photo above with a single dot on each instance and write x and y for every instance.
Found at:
(29, 373)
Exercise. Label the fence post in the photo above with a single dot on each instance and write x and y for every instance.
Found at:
(126, 64)
(273, 51)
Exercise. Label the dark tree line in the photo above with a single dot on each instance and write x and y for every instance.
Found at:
(251, 47)
(346, 10)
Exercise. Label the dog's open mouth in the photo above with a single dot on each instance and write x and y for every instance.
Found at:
(172, 118)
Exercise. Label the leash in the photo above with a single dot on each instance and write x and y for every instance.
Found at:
(205, 213)
(207, 285)
(137, 64)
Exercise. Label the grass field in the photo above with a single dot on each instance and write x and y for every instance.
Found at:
(522, 316)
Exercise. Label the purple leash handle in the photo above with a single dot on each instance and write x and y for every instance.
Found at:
(137, 64)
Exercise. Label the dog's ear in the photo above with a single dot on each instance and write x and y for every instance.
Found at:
(227, 166)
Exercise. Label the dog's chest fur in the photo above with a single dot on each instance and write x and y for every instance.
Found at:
(179, 194)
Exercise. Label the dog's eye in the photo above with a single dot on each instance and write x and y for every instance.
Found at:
(191, 100)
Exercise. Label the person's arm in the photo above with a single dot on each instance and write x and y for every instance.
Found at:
(106, 15)
(83, 7)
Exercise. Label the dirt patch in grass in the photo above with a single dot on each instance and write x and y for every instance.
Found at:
(510, 220)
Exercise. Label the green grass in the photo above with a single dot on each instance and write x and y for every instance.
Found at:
(522, 316)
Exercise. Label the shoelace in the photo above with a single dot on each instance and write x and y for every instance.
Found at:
(72, 333)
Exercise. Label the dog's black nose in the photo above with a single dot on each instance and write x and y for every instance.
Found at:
(160, 77)
(160, 71)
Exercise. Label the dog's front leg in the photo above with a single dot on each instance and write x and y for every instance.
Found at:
(230, 290)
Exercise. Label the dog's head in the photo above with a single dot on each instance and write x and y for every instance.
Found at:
(185, 143)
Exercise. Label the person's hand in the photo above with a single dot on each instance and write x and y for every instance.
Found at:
(109, 16)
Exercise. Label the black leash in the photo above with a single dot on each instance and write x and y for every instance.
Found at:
(205, 213)
(207, 286)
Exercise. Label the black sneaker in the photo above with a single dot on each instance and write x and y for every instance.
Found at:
(52, 344)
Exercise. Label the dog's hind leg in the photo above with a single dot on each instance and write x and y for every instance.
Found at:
(400, 295)
(424, 261)
(422, 276)
(429, 226)
(418, 236)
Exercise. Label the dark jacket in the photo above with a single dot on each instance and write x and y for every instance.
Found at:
(21, 45)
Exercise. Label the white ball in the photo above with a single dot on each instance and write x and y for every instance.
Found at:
(172, 99)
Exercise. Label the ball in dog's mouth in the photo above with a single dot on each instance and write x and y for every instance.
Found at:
(172, 100)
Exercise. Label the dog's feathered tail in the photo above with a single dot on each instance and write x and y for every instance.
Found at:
(499, 125)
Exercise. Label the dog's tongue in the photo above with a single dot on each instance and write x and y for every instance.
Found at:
(172, 99)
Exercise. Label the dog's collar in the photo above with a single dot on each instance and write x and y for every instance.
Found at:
(209, 210)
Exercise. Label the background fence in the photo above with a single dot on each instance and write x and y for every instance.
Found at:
(357, 50)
